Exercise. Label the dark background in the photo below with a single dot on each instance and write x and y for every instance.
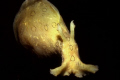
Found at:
(96, 37)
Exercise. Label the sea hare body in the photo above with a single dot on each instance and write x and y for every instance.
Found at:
(39, 26)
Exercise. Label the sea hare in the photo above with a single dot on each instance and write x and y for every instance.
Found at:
(40, 27)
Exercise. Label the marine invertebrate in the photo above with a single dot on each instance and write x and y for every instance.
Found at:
(39, 25)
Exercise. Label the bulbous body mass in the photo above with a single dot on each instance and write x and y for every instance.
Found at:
(39, 27)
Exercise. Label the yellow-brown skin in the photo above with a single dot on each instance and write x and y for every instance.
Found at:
(39, 25)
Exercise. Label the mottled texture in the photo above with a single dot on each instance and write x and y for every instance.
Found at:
(39, 26)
